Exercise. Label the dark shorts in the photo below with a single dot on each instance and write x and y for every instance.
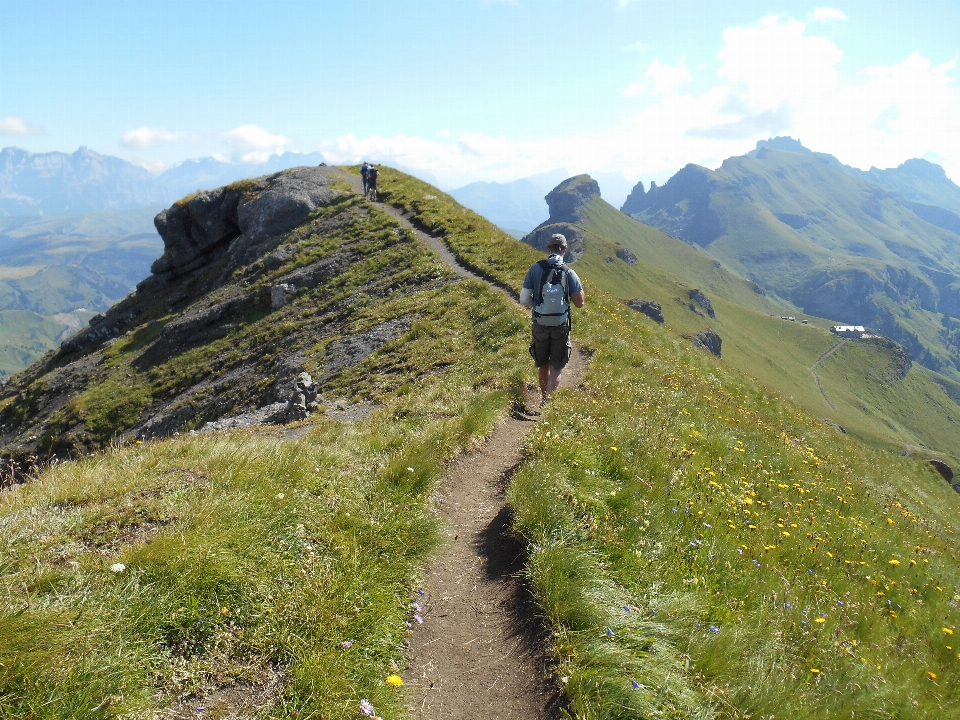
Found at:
(551, 345)
(371, 183)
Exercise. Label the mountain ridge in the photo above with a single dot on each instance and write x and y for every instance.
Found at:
(57, 183)
(825, 238)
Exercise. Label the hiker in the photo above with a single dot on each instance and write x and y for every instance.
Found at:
(549, 288)
(372, 175)
(364, 169)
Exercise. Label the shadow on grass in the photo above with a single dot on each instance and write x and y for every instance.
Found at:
(505, 557)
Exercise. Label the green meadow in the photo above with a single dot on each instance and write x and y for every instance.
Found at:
(701, 545)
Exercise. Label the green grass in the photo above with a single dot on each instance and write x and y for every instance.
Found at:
(243, 556)
(882, 411)
(251, 561)
(478, 244)
(703, 547)
(755, 548)
(26, 336)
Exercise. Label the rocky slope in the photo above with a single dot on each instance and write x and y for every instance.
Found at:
(260, 282)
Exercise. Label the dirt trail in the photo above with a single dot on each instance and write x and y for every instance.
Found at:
(480, 652)
(816, 377)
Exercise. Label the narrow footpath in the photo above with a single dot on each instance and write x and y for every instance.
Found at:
(813, 370)
(481, 651)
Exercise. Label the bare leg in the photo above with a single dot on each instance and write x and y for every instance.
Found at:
(549, 379)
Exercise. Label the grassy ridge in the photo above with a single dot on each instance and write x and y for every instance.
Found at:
(283, 567)
(704, 548)
(876, 407)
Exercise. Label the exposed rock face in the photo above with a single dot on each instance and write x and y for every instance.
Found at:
(628, 257)
(682, 207)
(567, 198)
(703, 301)
(236, 218)
(650, 308)
(565, 202)
(709, 341)
(946, 472)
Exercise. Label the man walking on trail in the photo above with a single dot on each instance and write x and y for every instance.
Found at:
(364, 169)
(372, 175)
(549, 288)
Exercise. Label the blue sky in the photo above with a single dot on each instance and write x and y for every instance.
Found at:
(465, 90)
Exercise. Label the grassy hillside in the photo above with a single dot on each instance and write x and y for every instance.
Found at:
(701, 546)
(53, 266)
(280, 565)
(27, 336)
(705, 548)
(856, 392)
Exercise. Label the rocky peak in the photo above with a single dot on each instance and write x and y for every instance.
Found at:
(566, 199)
(565, 202)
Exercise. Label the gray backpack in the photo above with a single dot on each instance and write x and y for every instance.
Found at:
(552, 303)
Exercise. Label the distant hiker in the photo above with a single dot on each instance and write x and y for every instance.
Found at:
(364, 169)
(372, 175)
(549, 288)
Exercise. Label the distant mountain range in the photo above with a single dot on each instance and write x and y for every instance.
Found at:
(56, 183)
(877, 247)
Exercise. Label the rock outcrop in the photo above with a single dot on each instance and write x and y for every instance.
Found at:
(565, 203)
(946, 472)
(236, 218)
(708, 340)
(627, 256)
(703, 301)
(650, 308)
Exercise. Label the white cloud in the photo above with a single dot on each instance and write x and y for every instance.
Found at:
(144, 137)
(660, 79)
(14, 125)
(774, 79)
(828, 13)
(253, 144)
(623, 3)
(774, 62)
(154, 167)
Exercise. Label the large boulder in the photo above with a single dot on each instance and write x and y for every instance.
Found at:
(650, 308)
(236, 218)
(708, 340)
(703, 301)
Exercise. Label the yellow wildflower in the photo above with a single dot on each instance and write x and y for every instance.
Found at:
(394, 680)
